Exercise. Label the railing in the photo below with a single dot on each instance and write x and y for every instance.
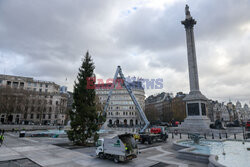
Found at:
(125, 129)
(235, 136)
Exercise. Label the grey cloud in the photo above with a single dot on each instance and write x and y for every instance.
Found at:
(50, 38)
(151, 29)
(219, 19)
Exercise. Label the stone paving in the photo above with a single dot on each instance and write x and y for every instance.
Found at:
(19, 163)
(42, 152)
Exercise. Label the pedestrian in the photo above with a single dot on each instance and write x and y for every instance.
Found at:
(1, 139)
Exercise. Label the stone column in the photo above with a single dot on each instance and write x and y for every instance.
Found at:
(189, 23)
(195, 120)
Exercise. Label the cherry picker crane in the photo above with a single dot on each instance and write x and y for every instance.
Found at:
(138, 107)
(144, 136)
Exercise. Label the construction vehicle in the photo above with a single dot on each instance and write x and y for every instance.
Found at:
(156, 134)
(123, 147)
(144, 136)
(247, 129)
(119, 148)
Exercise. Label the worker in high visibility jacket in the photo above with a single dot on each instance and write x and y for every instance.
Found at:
(126, 148)
(1, 139)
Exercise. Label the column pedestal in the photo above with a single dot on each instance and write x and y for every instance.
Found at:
(196, 120)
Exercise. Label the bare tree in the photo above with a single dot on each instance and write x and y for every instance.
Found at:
(99, 108)
(12, 100)
(152, 114)
(99, 105)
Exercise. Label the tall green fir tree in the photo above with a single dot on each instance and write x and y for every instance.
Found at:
(84, 115)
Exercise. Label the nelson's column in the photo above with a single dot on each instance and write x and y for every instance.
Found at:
(196, 119)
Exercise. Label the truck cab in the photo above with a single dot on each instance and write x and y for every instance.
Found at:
(99, 147)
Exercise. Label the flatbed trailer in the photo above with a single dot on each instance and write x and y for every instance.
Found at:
(247, 130)
(151, 138)
(155, 135)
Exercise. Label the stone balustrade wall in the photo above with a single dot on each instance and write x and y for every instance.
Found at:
(27, 127)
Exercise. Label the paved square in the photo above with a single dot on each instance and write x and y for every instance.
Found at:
(42, 152)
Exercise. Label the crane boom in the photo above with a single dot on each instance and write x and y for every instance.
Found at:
(110, 92)
(138, 107)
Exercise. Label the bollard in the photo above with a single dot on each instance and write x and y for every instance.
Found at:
(235, 136)
(188, 136)
(226, 135)
(205, 136)
(180, 135)
(212, 136)
(243, 136)
(220, 135)
(172, 135)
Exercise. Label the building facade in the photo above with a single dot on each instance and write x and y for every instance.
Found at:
(28, 101)
(161, 105)
(242, 112)
(228, 112)
(167, 106)
(121, 110)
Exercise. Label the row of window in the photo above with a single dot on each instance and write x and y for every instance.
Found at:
(121, 102)
(32, 116)
(3, 116)
(21, 84)
(44, 109)
(63, 102)
(15, 84)
(38, 116)
(115, 92)
(115, 98)
(121, 113)
(35, 84)
(121, 107)
(40, 90)
(117, 122)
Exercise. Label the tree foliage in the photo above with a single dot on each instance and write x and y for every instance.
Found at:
(84, 115)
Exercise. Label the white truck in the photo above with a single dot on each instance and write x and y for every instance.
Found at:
(119, 148)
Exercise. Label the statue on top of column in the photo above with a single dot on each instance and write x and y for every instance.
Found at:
(188, 15)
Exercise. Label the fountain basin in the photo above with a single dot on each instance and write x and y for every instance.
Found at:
(46, 133)
(212, 152)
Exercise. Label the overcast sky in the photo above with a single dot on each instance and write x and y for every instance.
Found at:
(46, 39)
